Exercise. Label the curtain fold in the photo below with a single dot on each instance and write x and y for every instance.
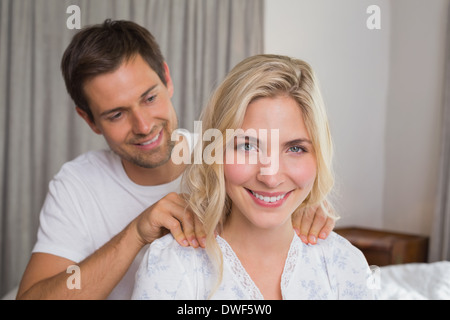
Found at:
(440, 236)
(200, 39)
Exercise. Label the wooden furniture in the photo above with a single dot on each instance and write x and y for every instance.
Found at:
(383, 248)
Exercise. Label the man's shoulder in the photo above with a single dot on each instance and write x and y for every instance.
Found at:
(89, 162)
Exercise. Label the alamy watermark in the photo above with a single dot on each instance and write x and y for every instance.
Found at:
(237, 140)
(73, 281)
(374, 278)
(373, 22)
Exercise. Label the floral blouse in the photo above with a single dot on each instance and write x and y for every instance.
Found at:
(331, 269)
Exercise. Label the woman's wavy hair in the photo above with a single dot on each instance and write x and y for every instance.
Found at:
(256, 77)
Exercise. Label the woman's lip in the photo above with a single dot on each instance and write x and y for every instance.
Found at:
(269, 194)
(269, 204)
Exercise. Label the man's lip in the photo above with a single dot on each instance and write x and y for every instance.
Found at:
(147, 140)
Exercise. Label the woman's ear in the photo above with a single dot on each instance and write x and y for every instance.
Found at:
(83, 114)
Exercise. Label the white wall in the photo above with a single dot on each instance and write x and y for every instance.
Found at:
(414, 113)
(365, 76)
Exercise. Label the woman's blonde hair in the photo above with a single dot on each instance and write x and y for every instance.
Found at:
(256, 77)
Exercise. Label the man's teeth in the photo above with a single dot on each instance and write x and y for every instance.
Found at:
(268, 199)
(150, 141)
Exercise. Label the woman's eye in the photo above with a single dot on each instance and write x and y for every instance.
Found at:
(246, 147)
(296, 149)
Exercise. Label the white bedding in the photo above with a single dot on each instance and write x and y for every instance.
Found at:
(415, 281)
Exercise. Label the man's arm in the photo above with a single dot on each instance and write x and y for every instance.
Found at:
(46, 275)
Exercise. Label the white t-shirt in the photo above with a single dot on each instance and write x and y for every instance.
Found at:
(331, 269)
(90, 201)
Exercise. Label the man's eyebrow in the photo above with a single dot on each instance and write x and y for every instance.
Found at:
(148, 90)
(104, 113)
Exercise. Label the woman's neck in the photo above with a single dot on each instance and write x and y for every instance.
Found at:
(251, 240)
(262, 252)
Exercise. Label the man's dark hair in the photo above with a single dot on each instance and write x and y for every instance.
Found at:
(102, 48)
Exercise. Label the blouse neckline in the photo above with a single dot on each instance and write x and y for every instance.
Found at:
(244, 278)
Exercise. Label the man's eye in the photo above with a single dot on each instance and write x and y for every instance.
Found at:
(151, 98)
(115, 116)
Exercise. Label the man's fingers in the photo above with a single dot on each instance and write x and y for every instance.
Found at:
(181, 220)
(173, 214)
(174, 226)
(200, 233)
(188, 226)
(192, 226)
(320, 220)
(303, 221)
(312, 224)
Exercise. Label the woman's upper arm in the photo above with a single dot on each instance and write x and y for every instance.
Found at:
(165, 273)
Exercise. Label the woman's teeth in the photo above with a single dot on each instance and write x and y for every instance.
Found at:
(268, 199)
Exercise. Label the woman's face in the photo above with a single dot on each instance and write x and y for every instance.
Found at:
(263, 194)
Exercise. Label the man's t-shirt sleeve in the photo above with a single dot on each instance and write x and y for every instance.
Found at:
(63, 231)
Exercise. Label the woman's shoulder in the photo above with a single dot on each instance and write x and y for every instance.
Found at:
(167, 248)
(338, 255)
(337, 244)
(347, 268)
(169, 271)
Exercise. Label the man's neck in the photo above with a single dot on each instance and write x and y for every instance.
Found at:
(162, 174)
(154, 176)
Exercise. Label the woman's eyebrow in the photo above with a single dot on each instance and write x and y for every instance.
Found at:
(297, 142)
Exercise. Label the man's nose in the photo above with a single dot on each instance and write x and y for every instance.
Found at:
(141, 123)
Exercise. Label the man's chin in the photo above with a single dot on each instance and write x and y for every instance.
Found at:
(155, 159)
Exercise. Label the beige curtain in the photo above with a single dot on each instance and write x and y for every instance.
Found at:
(39, 129)
(440, 236)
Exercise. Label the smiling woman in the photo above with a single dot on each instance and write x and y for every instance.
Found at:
(255, 196)
(252, 251)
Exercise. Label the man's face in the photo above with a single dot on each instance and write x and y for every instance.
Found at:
(133, 111)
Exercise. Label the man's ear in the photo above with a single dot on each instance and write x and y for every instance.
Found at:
(88, 120)
(169, 83)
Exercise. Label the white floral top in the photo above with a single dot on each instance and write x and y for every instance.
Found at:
(331, 269)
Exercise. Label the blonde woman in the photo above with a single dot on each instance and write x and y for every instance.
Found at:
(272, 155)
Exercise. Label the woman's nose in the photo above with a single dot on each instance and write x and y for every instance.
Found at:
(271, 174)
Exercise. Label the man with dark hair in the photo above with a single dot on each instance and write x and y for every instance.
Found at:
(103, 207)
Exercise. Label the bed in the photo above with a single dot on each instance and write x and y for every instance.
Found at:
(415, 281)
(399, 264)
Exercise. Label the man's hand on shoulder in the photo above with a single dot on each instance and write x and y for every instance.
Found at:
(313, 223)
(171, 214)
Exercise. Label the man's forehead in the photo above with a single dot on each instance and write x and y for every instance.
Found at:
(128, 83)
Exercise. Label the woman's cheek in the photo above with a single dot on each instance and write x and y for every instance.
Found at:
(304, 173)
